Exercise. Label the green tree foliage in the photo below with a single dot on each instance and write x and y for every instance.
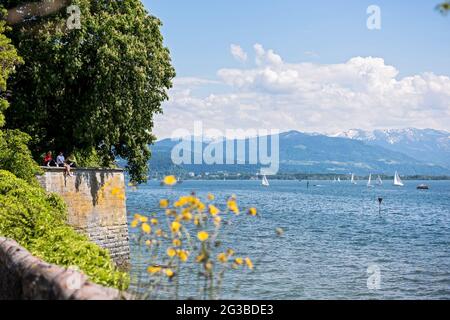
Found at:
(14, 153)
(36, 220)
(444, 7)
(95, 89)
(8, 60)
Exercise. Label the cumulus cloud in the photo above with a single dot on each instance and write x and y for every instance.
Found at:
(238, 53)
(363, 92)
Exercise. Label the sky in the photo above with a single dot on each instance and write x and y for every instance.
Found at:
(311, 66)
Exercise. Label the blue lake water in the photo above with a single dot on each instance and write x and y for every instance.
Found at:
(333, 233)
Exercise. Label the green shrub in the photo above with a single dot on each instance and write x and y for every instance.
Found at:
(36, 220)
(16, 157)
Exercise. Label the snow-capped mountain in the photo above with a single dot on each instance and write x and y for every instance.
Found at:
(428, 145)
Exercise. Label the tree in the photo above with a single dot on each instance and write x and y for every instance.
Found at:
(444, 7)
(92, 90)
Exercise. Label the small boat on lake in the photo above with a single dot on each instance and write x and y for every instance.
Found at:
(379, 181)
(369, 183)
(265, 182)
(397, 181)
(352, 180)
(423, 187)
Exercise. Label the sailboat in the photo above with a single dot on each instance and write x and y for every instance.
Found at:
(264, 181)
(353, 181)
(339, 179)
(379, 181)
(369, 183)
(397, 181)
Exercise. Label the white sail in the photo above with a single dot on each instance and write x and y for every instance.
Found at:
(339, 179)
(397, 181)
(379, 181)
(264, 181)
(353, 179)
(369, 183)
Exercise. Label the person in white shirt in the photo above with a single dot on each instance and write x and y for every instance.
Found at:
(60, 160)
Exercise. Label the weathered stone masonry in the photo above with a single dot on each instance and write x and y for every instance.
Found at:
(24, 277)
(96, 206)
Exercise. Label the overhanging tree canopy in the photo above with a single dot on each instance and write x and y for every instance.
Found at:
(93, 90)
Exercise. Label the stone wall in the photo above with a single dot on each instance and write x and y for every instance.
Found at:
(24, 277)
(96, 206)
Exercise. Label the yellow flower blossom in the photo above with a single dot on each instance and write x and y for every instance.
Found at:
(210, 197)
(252, 211)
(170, 180)
(163, 203)
(222, 257)
(154, 221)
(183, 255)
(134, 223)
(249, 263)
(186, 216)
(176, 242)
(146, 228)
(159, 233)
(232, 206)
(230, 252)
(175, 226)
(169, 273)
(203, 236)
(196, 220)
(154, 269)
(171, 252)
(213, 210)
(148, 242)
(239, 261)
(208, 266)
(143, 219)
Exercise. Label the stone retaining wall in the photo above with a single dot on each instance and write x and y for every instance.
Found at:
(96, 206)
(25, 277)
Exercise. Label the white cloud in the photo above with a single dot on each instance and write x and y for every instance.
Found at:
(238, 53)
(363, 92)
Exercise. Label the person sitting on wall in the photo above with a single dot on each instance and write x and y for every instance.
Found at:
(48, 160)
(60, 160)
(70, 162)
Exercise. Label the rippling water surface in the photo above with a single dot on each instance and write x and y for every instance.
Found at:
(333, 232)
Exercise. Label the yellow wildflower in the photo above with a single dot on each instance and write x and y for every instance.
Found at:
(208, 266)
(203, 236)
(170, 180)
(169, 273)
(143, 219)
(154, 221)
(159, 232)
(187, 216)
(252, 211)
(213, 210)
(176, 242)
(148, 242)
(171, 252)
(239, 261)
(154, 269)
(183, 255)
(210, 197)
(146, 228)
(175, 226)
(249, 263)
(222, 257)
(134, 223)
(163, 203)
(232, 206)
(230, 252)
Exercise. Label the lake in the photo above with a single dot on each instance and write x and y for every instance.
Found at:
(332, 233)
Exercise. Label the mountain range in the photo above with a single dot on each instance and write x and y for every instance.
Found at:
(410, 151)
